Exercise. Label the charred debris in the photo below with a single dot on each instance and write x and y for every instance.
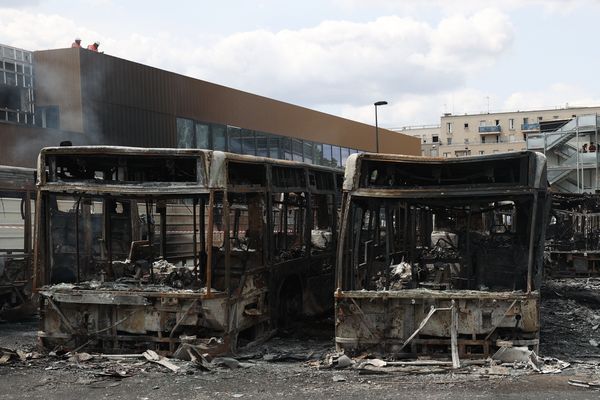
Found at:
(17, 194)
(573, 237)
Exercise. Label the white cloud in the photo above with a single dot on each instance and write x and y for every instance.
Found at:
(420, 109)
(464, 6)
(555, 96)
(36, 31)
(469, 43)
(19, 3)
(341, 62)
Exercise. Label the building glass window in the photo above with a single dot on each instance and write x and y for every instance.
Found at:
(336, 159)
(262, 144)
(248, 142)
(511, 124)
(345, 154)
(318, 154)
(297, 150)
(308, 152)
(185, 133)
(202, 136)
(327, 155)
(234, 139)
(435, 139)
(466, 126)
(274, 147)
(449, 127)
(194, 134)
(10, 79)
(449, 140)
(47, 117)
(219, 137)
(286, 146)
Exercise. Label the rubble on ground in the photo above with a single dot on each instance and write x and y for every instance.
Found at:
(570, 329)
(570, 319)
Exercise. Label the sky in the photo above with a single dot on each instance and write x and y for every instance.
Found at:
(424, 57)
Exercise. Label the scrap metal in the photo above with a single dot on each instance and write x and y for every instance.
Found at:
(573, 235)
(17, 191)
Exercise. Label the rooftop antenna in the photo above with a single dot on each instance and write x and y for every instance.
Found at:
(488, 104)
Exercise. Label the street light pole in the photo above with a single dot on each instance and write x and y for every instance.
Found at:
(377, 104)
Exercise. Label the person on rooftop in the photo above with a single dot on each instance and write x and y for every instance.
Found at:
(94, 46)
(76, 43)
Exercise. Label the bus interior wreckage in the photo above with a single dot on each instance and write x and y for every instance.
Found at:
(17, 194)
(150, 248)
(440, 257)
(573, 236)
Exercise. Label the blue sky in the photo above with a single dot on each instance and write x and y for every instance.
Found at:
(424, 57)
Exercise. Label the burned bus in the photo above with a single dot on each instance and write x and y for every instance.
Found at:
(151, 248)
(17, 192)
(573, 235)
(440, 256)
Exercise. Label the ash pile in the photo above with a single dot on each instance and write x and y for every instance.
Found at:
(571, 319)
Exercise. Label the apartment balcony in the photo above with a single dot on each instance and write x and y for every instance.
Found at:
(490, 130)
(532, 127)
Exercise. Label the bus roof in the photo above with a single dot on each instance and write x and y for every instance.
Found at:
(16, 178)
(198, 169)
(524, 170)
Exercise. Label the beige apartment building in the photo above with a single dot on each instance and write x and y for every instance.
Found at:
(487, 133)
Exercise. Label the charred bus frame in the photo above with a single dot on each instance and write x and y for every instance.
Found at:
(573, 235)
(151, 248)
(17, 192)
(440, 256)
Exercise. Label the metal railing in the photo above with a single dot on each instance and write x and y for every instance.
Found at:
(534, 126)
(490, 129)
(415, 127)
(18, 117)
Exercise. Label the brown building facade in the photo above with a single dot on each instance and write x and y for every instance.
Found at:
(93, 98)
